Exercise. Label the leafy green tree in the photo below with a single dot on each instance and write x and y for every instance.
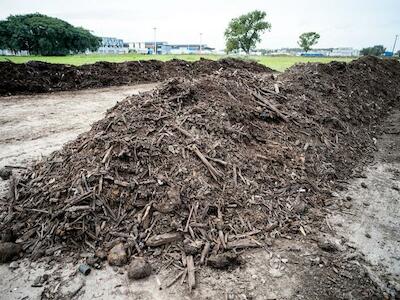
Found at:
(307, 40)
(4, 37)
(43, 35)
(245, 31)
(232, 45)
(376, 50)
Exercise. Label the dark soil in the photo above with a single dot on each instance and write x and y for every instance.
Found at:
(220, 160)
(40, 77)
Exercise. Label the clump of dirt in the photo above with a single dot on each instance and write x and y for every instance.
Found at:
(206, 165)
(40, 77)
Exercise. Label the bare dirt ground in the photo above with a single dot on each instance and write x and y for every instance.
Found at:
(372, 221)
(294, 269)
(288, 268)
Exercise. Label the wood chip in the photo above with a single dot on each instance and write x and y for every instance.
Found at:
(162, 239)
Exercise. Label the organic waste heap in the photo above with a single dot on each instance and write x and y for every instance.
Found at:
(206, 166)
(40, 77)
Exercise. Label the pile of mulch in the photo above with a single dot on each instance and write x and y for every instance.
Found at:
(201, 168)
(40, 77)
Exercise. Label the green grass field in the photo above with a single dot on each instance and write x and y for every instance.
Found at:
(279, 63)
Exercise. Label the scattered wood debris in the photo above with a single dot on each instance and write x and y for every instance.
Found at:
(188, 174)
(33, 76)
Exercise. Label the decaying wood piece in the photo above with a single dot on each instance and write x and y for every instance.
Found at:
(162, 239)
(184, 132)
(276, 87)
(15, 167)
(265, 92)
(204, 253)
(271, 226)
(217, 175)
(13, 194)
(244, 235)
(146, 218)
(188, 220)
(219, 225)
(191, 273)
(234, 176)
(220, 161)
(224, 260)
(175, 279)
(107, 155)
(192, 247)
(122, 183)
(183, 276)
(270, 106)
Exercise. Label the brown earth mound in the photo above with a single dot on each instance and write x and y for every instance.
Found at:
(40, 77)
(206, 166)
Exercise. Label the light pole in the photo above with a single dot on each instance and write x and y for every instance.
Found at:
(155, 40)
(201, 41)
(395, 42)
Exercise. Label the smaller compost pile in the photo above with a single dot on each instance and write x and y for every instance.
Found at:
(40, 77)
(206, 166)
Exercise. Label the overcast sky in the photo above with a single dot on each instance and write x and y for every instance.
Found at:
(341, 23)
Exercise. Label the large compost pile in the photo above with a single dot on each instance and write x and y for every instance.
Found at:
(207, 165)
(40, 77)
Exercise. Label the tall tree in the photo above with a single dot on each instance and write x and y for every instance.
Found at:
(245, 31)
(376, 50)
(307, 40)
(40, 34)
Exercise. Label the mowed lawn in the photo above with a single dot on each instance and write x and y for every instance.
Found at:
(279, 63)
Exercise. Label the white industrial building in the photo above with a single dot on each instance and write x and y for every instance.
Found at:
(148, 47)
(113, 46)
(138, 47)
(344, 52)
(166, 48)
(338, 52)
(17, 53)
(190, 49)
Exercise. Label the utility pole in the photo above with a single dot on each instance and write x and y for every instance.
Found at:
(394, 45)
(155, 40)
(201, 41)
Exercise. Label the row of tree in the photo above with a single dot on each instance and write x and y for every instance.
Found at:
(376, 50)
(43, 35)
(243, 33)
